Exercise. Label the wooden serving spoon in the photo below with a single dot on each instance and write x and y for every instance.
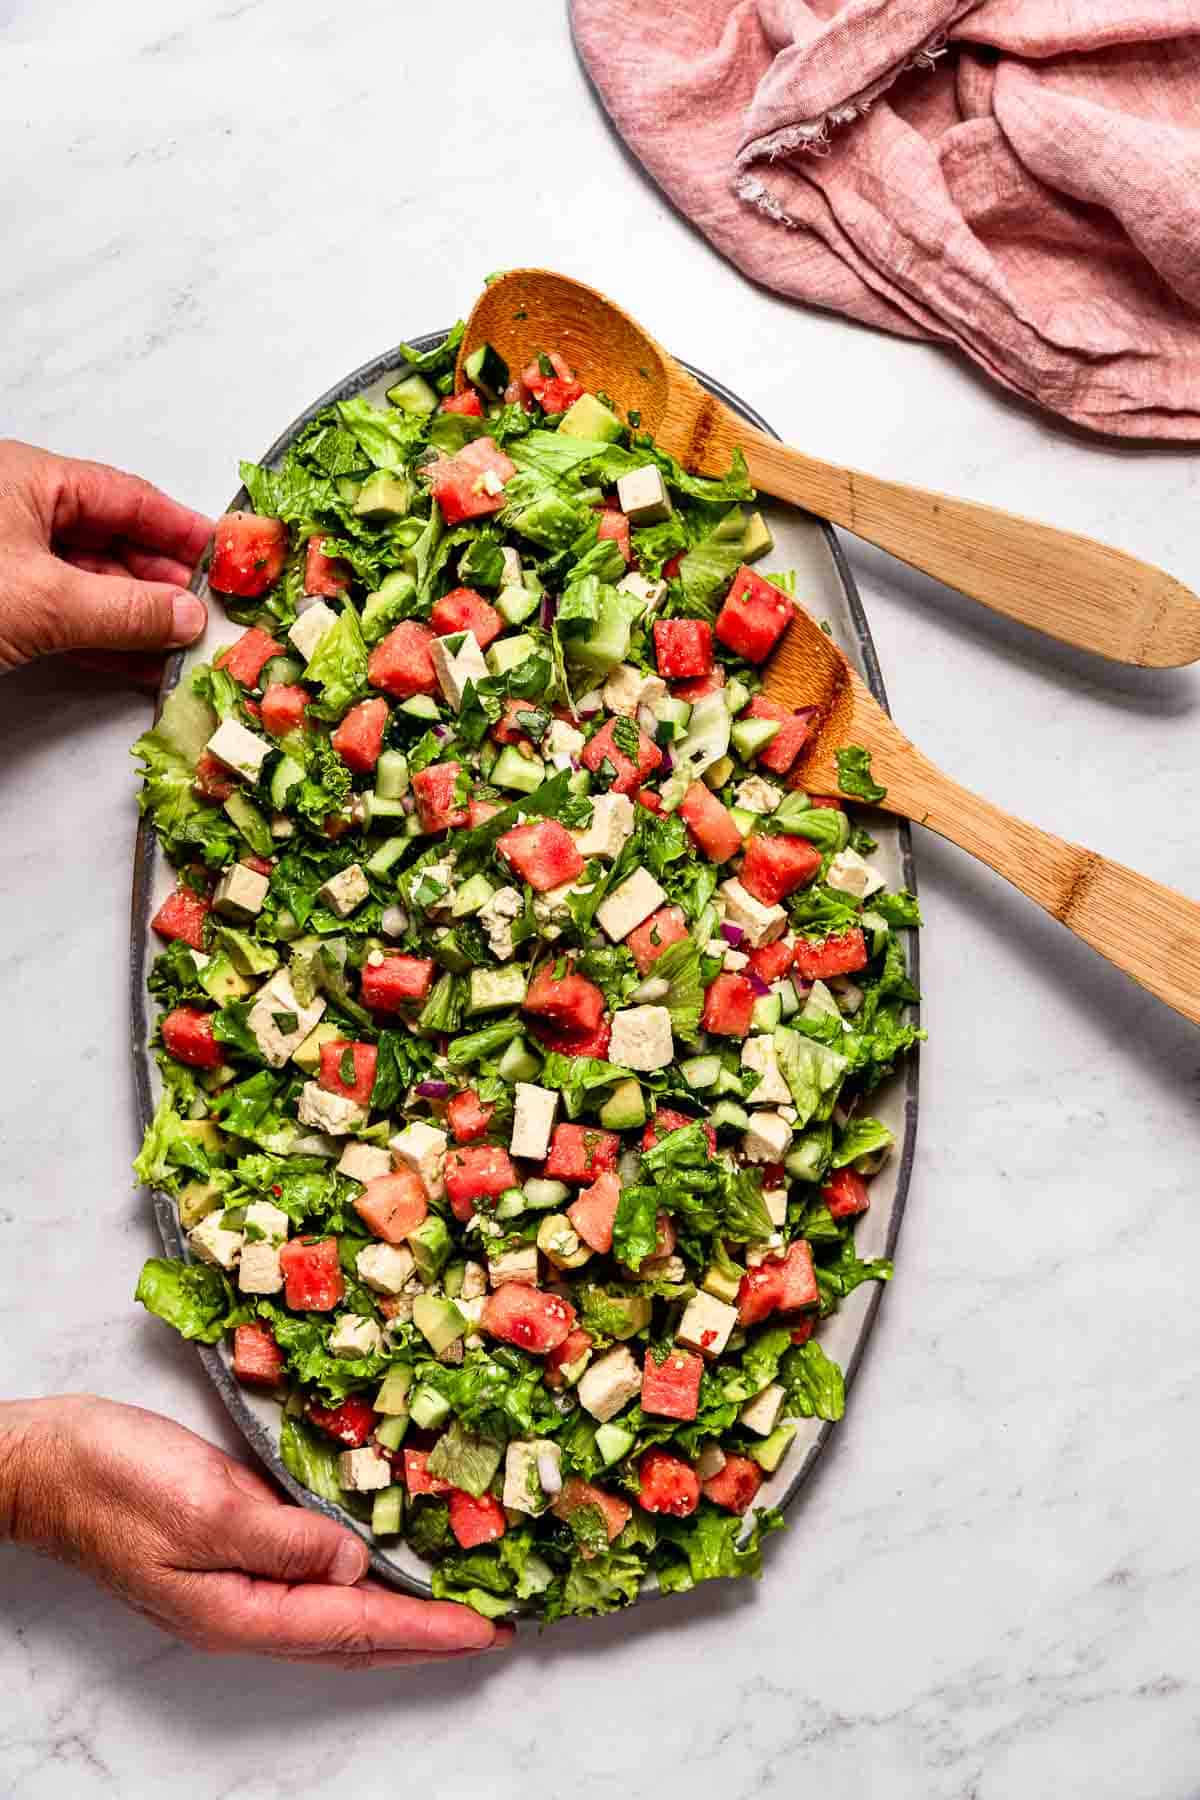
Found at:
(1071, 587)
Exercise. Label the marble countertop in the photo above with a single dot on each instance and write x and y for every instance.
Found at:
(991, 1588)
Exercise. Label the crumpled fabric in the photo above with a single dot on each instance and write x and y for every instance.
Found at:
(1018, 178)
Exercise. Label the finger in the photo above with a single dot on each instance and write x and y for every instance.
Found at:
(94, 503)
(269, 1537)
(149, 567)
(344, 1623)
(79, 610)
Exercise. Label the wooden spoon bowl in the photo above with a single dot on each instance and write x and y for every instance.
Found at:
(1071, 587)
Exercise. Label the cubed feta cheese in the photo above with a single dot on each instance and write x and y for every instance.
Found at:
(260, 1271)
(310, 628)
(734, 961)
(706, 1324)
(213, 1244)
(497, 918)
(849, 995)
(643, 496)
(627, 906)
(609, 1383)
(352, 1335)
(328, 1112)
(266, 1223)
(761, 924)
(364, 1471)
(852, 874)
(562, 742)
(757, 795)
(385, 1267)
(281, 826)
(422, 1148)
(514, 1265)
(239, 749)
(628, 688)
(455, 668)
(278, 1022)
(759, 1415)
(776, 1202)
(524, 1490)
(769, 1138)
(512, 567)
(758, 1054)
(364, 1162)
(474, 1283)
(641, 1038)
(533, 1120)
(551, 909)
(612, 824)
(710, 1462)
(240, 893)
(344, 892)
(650, 593)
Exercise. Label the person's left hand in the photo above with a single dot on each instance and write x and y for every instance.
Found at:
(92, 559)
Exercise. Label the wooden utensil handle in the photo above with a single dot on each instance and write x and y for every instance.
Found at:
(1144, 928)
(1075, 589)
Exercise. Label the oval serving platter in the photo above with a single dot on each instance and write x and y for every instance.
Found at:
(826, 588)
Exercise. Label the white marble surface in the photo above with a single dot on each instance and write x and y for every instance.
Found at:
(992, 1588)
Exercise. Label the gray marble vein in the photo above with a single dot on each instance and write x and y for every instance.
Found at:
(991, 1590)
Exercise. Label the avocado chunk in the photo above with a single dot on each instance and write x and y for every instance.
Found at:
(205, 1133)
(392, 1397)
(307, 1056)
(439, 1322)
(413, 395)
(624, 1314)
(625, 1107)
(722, 1286)
(509, 652)
(590, 418)
(560, 1243)
(771, 1452)
(492, 990)
(196, 1201)
(757, 540)
(222, 982)
(384, 496)
(252, 824)
(465, 1459)
(430, 1245)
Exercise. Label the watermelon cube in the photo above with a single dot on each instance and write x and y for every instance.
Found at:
(574, 1347)
(671, 1388)
(401, 663)
(543, 853)
(666, 1120)
(613, 524)
(663, 928)
(396, 982)
(593, 1213)
(581, 1153)
(795, 729)
(417, 1478)
(736, 1486)
(187, 1035)
(477, 1172)
(710, 822)
(728, 1006)
(571, 1002)
(629, 772)
(471, 484)
(181, 917)
(351, 1423)
(324, 575)
(283, 708)
(666, 1484)
(393, 1205)
(348, 1069)
(776, 866)
(843, 954)
(754, 617)
(467, 403)
(683, 648)
(257, 1358)
(468, 1117)
(576, 1493)
(312, 1274)
(476, 1521)
(359, 738)
(527, 1317)
(248, 554)
(435, 792)
(846, 1194)
(246, 659)
(465, 610)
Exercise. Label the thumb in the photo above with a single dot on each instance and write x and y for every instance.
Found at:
(82, 610)
(288, 1543)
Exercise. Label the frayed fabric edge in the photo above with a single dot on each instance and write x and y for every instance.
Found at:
(813, 135)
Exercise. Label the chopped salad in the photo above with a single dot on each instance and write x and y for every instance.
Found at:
(520, 1011)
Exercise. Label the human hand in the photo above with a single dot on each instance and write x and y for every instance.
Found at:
(203, 1547)
(92, 559)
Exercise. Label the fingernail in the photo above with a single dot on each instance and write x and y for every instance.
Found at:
(347, 1565)
(187, 620)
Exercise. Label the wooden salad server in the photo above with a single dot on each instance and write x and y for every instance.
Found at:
(1070, 587)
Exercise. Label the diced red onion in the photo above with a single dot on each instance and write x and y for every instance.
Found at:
(590, 704)
(667, 764)
(408, 803)
(756, 981)
(803, 988)
(733, 934)
(440, 731)
(549, 608)
(443, 1042)
(434, 1090)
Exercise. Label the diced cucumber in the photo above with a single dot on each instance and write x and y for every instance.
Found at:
(284, 778)
(737, 695)
(706, 740)
(430, 1245)
(789, 1003)
(879, 929)
(488, 752)
(520, 774)
(509, 652)
(541, 1193)
(579, 782)
(614, 1441)
(518, 1063)
(391, 1432)
(421, 706)
(392, 1397)
(281, 671)
(449, 952)
(771, 1452)
(757, 540)
(391, 775)
(820, 1004)
(387, 1512)
(383, 496)
(485, 368)
(511, 1204)
(377, 807)
(766, 1011)
(607, 642)
(752, 735)
(729, 1081)
(413, 395)
(471, 896)
(389, 852)
(452, 1279)
(493, 989)
(673, 717)
(516, 604)
(806, 1161)
(791, 809)
(625, 1107)
(254, 826)
(428, 1409)
(744, 820)
(590, 418)
(701, 1071)
(730, 1114)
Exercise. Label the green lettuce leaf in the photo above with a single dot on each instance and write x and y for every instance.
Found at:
(814, 1384)
(634, 1232)
(310, 1459)
(861, 1137)
(854, 773)
(339, 667)
(814, 1073)
(706, 1548)
(192, 1297)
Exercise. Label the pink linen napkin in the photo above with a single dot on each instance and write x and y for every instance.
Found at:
(1020, 178)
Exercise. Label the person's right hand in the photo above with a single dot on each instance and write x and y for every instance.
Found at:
(203, 1547)
(92, 559)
